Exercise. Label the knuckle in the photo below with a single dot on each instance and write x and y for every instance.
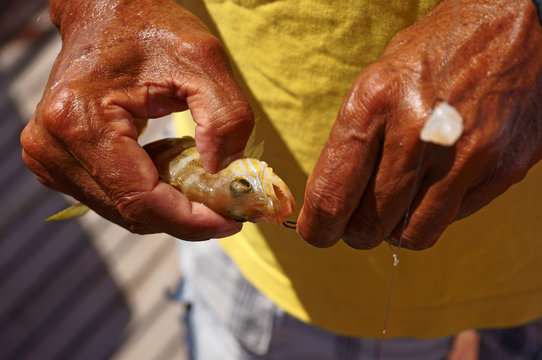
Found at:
(510, 176)
(29, 141)
(35, 140)
(237, 124)
(510, 172)
(55, 107)
(56, 113)
(46, 181)
(41, 174)
(139, 229)
(370, 92)
(201, 47)
(232, 116)
(133, 209)
(209, 46)
(375, 81)
(30, 162)
(498, 166)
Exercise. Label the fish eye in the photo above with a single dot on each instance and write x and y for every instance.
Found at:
(240, 186)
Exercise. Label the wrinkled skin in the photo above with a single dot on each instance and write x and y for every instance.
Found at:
(363, 180)
(125, 61)
(121, 63)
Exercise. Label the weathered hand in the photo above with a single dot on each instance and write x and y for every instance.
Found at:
(121, 63)
(365, 176)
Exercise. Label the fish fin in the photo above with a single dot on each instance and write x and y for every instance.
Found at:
(70, 212)
(253, 149)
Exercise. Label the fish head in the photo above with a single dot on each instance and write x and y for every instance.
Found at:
(258, 194)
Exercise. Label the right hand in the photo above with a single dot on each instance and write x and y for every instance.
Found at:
(121, 63)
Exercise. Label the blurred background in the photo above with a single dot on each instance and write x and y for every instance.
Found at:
(76, 289)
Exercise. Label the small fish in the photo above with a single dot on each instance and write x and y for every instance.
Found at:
(246, 190)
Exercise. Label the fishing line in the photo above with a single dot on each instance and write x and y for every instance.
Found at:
(289, 224)
(441, 115)
(395, 252)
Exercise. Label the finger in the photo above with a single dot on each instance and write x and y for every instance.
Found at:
(433, 209)
(49, 160)
(389, 195)
(122, 170)
(483, 192)
(97, 199)
(466, 346)
(58, 170)
(208, 224)
(144, 202)
(223, 127)
(165, 209)
(41, 173)
(344, 167)
(224, 120)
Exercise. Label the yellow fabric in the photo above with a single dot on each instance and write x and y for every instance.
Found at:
(296, 60)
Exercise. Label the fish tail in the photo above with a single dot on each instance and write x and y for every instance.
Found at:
(69, 213)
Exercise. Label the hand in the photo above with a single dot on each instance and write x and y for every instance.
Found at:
(466, 346)
(121, 63)
(365, 176)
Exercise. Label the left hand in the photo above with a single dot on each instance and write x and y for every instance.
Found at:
(124, 61)
(364, 179)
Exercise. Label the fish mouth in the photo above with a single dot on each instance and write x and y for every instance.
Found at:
(282, 198)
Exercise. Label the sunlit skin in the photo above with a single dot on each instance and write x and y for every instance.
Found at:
(363, 180)
(125, 61)
(121, 63)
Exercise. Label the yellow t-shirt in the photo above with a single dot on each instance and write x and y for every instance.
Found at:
(295, 61)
